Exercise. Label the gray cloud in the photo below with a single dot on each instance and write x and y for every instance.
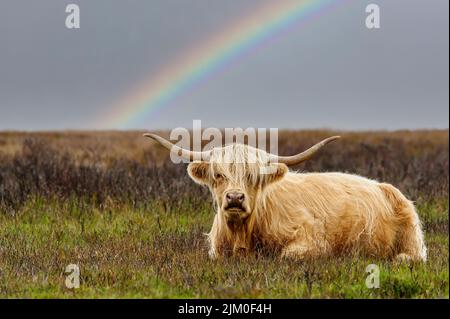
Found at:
(328, 72)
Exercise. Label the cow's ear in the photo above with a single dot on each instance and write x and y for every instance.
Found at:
(199, 172)
(275, 172)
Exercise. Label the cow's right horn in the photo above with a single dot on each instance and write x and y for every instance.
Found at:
(303, 156)
(181, 152)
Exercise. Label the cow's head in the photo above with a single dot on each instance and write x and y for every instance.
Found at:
(237, 174)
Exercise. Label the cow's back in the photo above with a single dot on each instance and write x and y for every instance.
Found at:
(337, 211)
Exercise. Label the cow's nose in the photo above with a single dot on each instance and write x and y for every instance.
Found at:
(235, 198)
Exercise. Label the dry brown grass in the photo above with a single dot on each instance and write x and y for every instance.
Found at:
(113, 203)
(126, 166)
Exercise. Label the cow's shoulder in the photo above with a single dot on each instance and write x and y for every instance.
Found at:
(330, 182)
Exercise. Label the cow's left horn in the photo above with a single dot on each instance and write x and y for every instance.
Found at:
(303, 156)
(186, 154)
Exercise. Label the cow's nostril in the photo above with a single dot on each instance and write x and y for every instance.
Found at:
(236, 198)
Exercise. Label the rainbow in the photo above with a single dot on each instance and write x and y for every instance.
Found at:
(210, 57)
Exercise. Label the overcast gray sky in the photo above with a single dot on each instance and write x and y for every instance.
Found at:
(329, 72)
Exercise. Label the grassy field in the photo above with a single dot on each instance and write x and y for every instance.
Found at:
(112, 203)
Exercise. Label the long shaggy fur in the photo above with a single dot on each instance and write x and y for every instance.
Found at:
(309, 214)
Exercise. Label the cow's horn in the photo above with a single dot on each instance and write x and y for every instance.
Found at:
(183, 153)
(303, 156)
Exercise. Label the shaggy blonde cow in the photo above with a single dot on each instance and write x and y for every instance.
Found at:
(262, 205)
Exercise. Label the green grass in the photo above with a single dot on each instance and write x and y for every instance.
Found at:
(126, 252)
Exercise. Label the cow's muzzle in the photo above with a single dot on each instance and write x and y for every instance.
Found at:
(234, 201)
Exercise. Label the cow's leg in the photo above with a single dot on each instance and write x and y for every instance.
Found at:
(297, 250)
(410, 241)
(214, 240)
(410, 244)
(213, 252)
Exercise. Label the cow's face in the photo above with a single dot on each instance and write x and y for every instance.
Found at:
(235, 181)
(237, 174)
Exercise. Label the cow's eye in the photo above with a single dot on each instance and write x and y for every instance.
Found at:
(219, 177)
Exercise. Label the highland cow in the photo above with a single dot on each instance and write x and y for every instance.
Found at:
(260, 204)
